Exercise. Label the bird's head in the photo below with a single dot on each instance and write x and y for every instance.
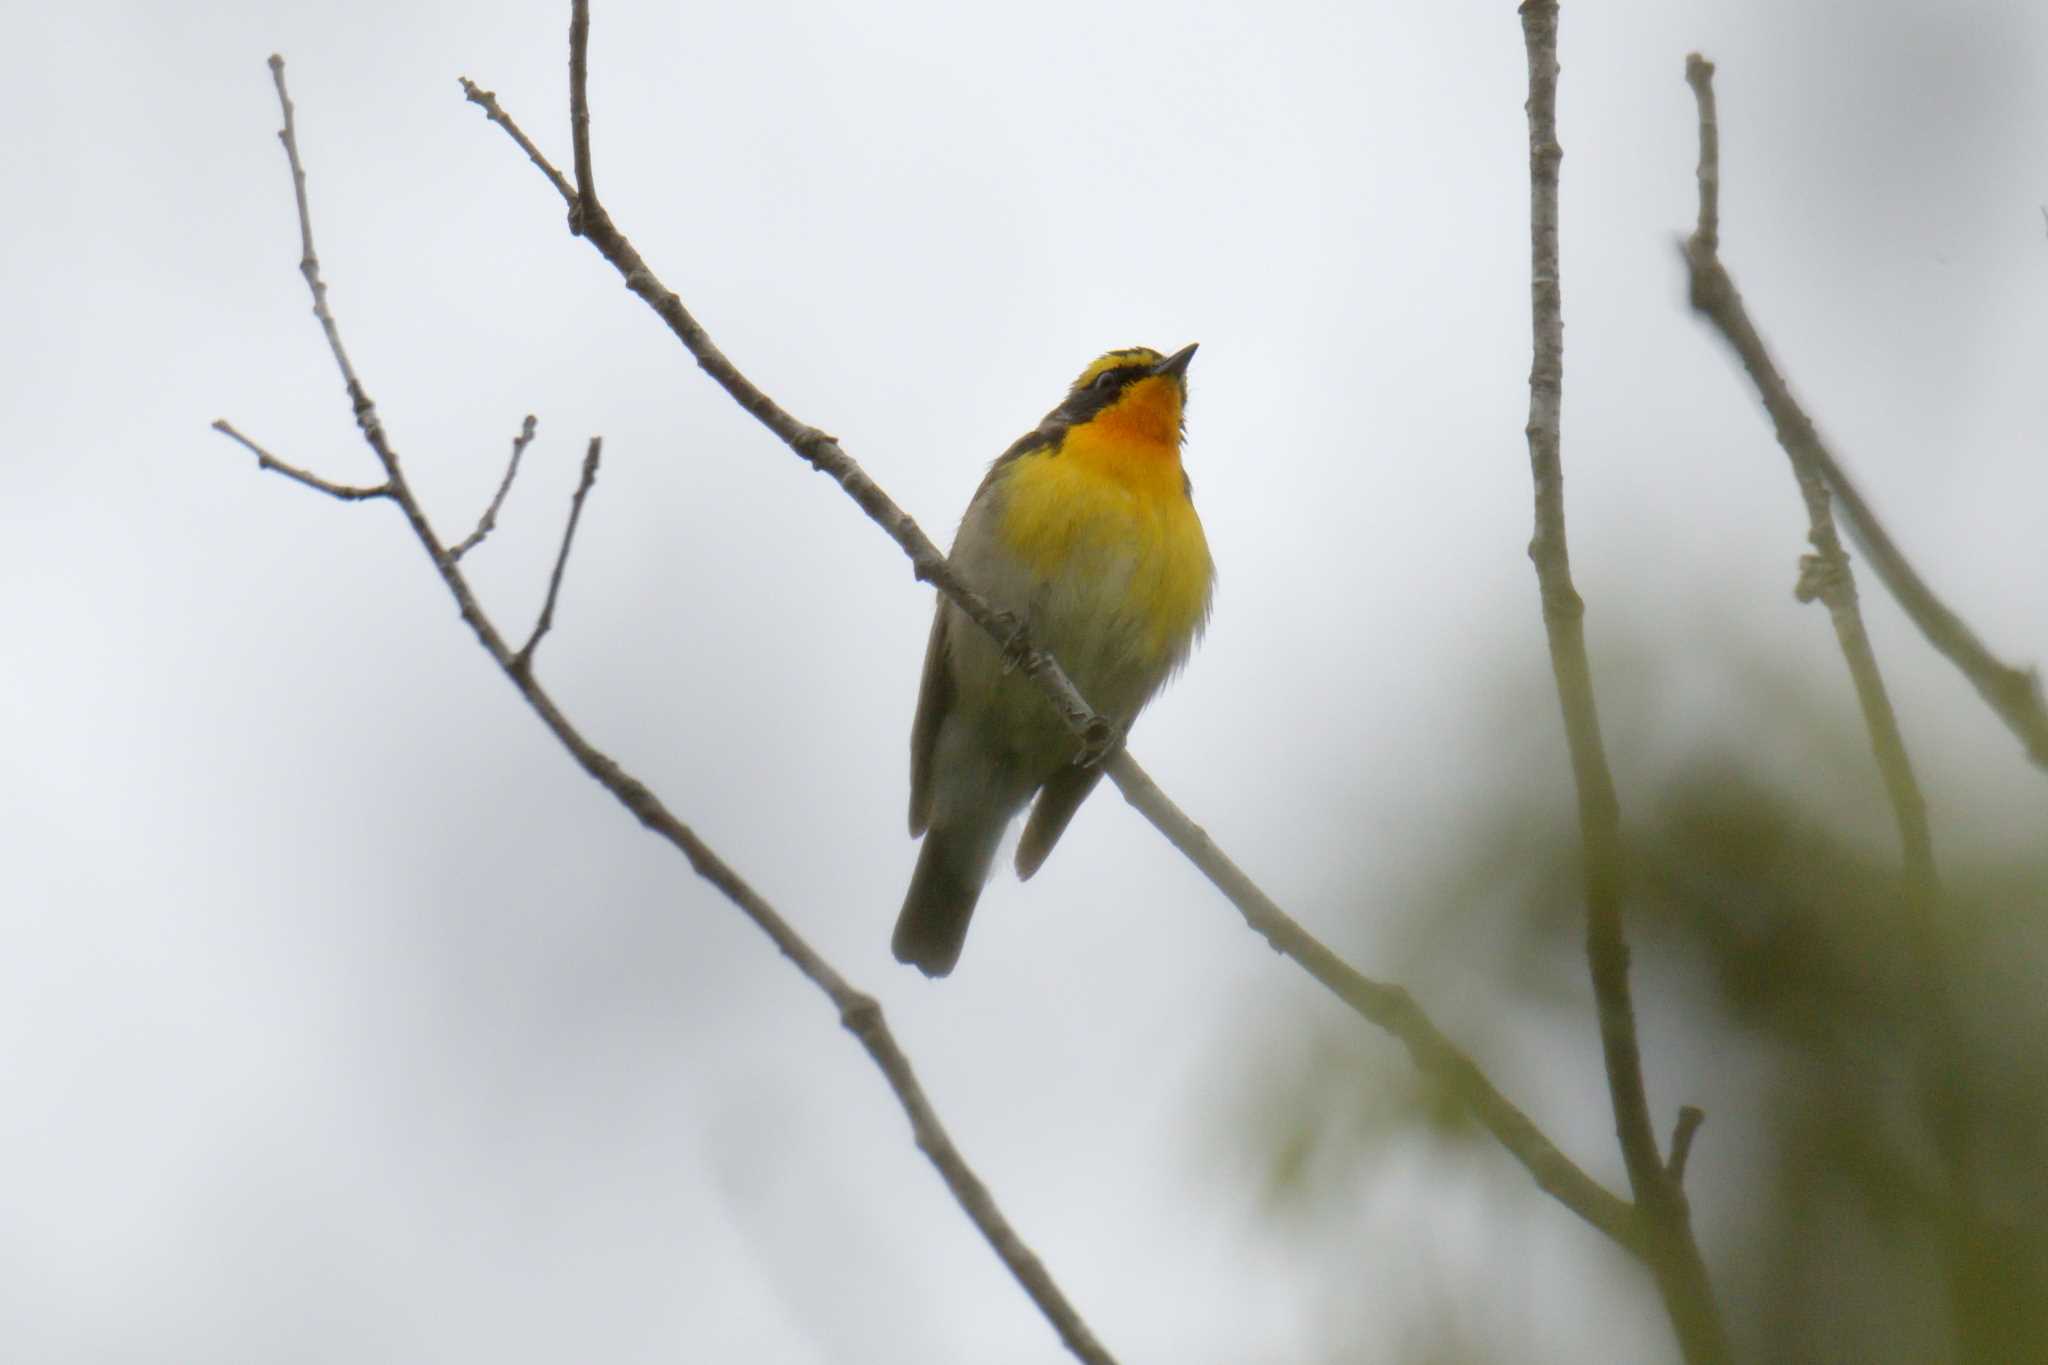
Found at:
(1135, 394)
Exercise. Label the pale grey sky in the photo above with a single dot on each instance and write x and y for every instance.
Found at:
(344, 1020)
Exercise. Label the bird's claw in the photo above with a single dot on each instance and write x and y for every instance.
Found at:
(1015, 646)
(1098, 742)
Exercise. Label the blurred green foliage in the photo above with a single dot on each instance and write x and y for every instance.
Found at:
(1871, 1185)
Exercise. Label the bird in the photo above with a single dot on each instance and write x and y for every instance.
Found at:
(1085, 531)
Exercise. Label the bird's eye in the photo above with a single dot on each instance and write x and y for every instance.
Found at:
(1105, 381)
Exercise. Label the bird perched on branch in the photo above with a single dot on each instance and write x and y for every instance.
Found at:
(1085, 530)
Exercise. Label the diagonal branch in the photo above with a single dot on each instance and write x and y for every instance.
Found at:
(1826, 574)
(2014, 694)
(1391, 1008)
(488, 522)
(590, 220)
(1386, 1006)
(266, 460)
(523, 660)
(1674, 1257)
(858, 1012)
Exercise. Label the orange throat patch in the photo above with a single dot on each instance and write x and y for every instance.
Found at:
(1147, 414)
(1135, 441)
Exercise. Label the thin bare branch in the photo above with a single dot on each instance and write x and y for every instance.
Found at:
(1389, 1007)
(266, 460)
(489, 521)
(2014, 694)
(1553, 1171)
(858, 1012)
(1690, 1117)
(579, 113)
(487, 101)
(1673, 1256)
(1825, 574)
(823, 452)
(309, 263)
(523, 660)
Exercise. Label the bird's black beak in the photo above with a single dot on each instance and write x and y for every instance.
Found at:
(1177, 363)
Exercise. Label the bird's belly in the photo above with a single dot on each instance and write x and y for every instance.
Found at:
(1115, 582)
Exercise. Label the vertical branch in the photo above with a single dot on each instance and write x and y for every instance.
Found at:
(579, 113)
(1673, 1256)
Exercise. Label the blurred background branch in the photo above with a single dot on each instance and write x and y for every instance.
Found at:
(2014, 694)
(1673, 1256)
(1938, 1055)
(1779, 948)
(1825, 574)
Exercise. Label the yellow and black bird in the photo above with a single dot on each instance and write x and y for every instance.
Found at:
(1085, 530)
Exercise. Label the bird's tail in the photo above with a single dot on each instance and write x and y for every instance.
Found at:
(950, 871)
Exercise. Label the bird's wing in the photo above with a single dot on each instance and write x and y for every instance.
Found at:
(1055, 806)
(935, 693)
(1047, 435)
(934, 699)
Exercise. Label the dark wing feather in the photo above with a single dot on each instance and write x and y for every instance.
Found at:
(935, 693)
(1055, 806)
(934, 699)
(1048, 434)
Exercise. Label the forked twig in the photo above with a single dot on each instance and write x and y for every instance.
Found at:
(266, 460)
(858, 1012)
(523, 660)
(488, 522)
(1826, 575)
(589, 219)
(2014, 694)
(1690, 1117)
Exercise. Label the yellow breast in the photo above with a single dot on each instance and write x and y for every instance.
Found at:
(1105, 521)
